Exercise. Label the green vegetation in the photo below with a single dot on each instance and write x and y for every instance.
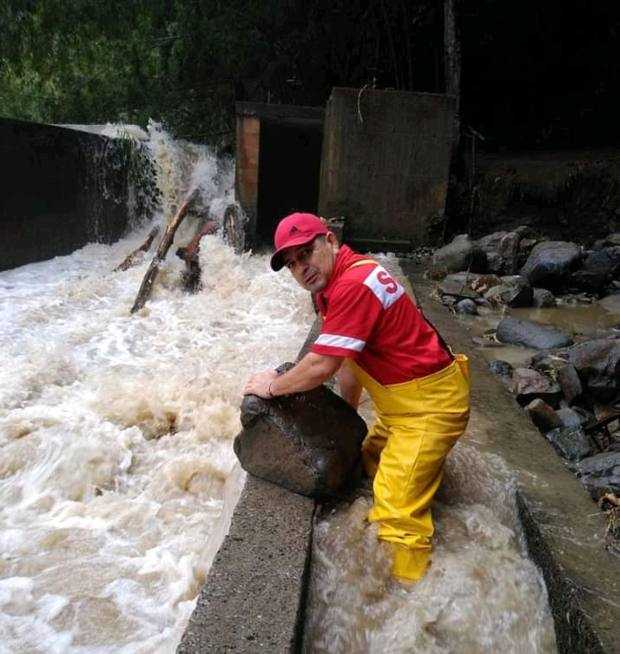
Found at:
(184, 62)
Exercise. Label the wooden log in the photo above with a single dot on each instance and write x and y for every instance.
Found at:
(189, 254)
(134, 258)
(160, 254)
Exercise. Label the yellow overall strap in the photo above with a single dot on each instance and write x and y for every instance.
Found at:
(362, 262)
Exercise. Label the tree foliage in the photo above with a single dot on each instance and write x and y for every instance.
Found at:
(532, 73)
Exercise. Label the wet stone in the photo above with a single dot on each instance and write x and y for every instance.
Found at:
(543, 299)
(598, 364)
(531, 334)
(570, 417)
(467, 307)
(550, 262)
(308, 442)
(528, 385)
(543, 416)
(501, 249)
(501, 368)
(571, 443)
(460, 254)
(514, 291)
(600, 473)
(569, 382)
(459, 285)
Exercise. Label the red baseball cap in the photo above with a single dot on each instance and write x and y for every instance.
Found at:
(295, 229)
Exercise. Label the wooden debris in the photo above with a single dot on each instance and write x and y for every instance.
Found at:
(160, 254)
(135, 257)
(189, 254)
(233, 231)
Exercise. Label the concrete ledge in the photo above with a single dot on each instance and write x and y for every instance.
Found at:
(563, 528)
(254, 596)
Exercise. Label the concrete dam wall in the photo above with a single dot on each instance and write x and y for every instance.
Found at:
(61, 189)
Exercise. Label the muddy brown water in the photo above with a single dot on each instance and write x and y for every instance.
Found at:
(481, 594)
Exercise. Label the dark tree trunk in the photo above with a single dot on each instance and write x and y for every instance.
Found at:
(452, 63)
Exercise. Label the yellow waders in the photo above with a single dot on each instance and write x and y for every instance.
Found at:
(417, 424)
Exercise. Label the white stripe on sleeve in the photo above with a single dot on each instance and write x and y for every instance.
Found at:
(345, 342)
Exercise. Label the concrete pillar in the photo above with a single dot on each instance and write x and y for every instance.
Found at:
(385, 162)
(246, 168)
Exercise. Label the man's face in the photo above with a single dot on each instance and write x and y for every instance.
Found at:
(312, 264)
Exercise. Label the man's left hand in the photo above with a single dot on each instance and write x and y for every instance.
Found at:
(258, 384)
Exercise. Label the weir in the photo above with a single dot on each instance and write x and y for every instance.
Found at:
(118, 479)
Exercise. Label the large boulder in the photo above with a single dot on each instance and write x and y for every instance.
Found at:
(531, 334)
(550, 263)
(501, 249)
(601, 473)
(599, 268)
(529, 385)
(598, 364)
(309, 442)
(460, 254)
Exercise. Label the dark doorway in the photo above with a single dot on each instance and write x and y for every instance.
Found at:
(288, 171)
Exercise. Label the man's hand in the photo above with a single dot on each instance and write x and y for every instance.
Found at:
(258, 384)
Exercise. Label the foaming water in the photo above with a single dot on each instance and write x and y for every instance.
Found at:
(117, 474)
(481, 593)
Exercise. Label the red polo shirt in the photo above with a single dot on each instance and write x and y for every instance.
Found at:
(368, 316)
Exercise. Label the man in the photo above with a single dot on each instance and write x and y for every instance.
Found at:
(376, 338)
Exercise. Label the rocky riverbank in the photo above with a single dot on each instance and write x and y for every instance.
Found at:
(567, 378)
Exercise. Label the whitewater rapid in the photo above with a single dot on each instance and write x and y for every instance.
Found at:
(116, 430)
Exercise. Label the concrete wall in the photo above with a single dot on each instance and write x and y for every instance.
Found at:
(60, 190)
(385, 163)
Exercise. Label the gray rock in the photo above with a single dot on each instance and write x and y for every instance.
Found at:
(586, 281)
(501, 368)
(569, 382)
(598, 364)
(600, 473)
(543, 416)
(572, 443)
(550, 263)
(531, 334)
(308, 443)
(514, 291)
(543, 299)
(570, 417)
(467, 307)
(459, 285)
(529, 385)
(461, 254)
(605, 262)
(547, 363)
(609, 241)
(501, 249)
